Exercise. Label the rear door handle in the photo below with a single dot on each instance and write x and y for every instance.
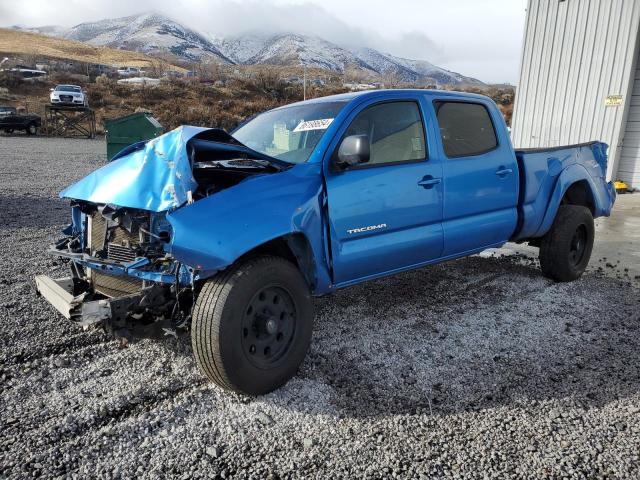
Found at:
(429, 182)
(501, 172)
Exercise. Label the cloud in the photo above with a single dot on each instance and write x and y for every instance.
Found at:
(226, 18)
(230, 18)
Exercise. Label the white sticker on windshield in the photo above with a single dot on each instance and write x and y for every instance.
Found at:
(321, 124)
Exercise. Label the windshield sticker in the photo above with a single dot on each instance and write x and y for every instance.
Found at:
(321, 124)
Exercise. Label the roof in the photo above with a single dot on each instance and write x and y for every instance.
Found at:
(347, 97)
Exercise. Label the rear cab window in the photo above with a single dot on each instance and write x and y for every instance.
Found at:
(466, 128)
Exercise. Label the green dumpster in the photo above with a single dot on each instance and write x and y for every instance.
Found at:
(124, 131)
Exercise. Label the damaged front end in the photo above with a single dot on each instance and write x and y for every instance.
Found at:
(123, 274)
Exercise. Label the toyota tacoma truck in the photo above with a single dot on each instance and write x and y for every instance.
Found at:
(230, 235)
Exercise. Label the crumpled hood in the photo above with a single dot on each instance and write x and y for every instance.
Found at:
(154, 175)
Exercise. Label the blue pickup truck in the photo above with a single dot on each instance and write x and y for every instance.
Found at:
(231, 234)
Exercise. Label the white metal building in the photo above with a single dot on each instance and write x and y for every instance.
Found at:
(580, 79)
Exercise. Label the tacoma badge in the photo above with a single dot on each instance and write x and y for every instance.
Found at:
(366, 229)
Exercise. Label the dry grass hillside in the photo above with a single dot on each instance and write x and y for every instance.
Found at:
(14, 42)
(174, 102)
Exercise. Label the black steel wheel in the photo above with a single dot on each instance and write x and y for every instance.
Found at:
(578, 245)
(268, 326)
(251, 325)
(566, 248)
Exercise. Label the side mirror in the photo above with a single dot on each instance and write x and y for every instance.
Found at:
(353, 150)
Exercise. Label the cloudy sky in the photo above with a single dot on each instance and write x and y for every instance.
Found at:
(476, 38)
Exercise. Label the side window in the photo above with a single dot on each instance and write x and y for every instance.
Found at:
(395, 132)
(466, 128)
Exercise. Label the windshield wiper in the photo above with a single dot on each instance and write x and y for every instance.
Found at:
(220, 137)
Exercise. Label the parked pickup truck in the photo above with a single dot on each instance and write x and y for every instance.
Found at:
(231, 235)
(11, 119)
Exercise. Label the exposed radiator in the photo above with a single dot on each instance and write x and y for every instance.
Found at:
(113, 286)
(120, 253)
(120, 244)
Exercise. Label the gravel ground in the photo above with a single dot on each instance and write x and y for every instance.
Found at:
(479, 368)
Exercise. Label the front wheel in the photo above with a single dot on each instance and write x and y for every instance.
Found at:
(252, 325)
(566, 248)
(32, 129)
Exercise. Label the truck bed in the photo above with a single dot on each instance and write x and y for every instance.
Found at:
(545, 174)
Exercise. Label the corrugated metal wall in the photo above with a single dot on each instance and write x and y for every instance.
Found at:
(575, 54)
(629, 154)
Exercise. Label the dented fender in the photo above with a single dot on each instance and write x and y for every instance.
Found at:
(214, 232)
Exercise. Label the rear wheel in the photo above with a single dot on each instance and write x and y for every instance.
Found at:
(32, 129)
(252, 325)
(8, 130)
(566, 248)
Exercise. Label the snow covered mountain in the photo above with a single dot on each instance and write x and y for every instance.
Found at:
(417, 71)
(292, 49)
(156, 34)
(149, 33)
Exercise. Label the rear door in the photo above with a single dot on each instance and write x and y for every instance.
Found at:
(385, 215)
(480, 174)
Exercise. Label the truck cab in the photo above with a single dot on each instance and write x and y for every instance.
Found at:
(229, 235)
(422, 194)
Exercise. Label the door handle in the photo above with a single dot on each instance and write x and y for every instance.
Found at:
(428, 182)
(501, 172)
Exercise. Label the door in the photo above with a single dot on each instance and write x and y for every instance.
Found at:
(481, 177)
(7, 115)
(629, 160)
(385, 214)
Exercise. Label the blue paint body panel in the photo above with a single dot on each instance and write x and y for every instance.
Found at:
(546, 175)
(470, 203)
(153, 175)
(212, 233)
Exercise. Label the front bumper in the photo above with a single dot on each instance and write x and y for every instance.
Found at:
(133, 269)
(60, 294)
(75, 101)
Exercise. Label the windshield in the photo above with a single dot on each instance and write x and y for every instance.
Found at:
(289, 133)
(67, 88)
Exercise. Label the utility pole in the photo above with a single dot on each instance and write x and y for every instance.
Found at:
(304, 83)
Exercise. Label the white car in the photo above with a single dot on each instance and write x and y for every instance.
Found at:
(69, 95)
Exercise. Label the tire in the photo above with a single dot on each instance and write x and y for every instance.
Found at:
(238, 347)
(566, 248)
(8, 130)
(32, 129)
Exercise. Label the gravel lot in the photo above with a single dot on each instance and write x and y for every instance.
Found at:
(479, 368)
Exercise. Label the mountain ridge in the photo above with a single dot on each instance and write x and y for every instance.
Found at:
(155, 34)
